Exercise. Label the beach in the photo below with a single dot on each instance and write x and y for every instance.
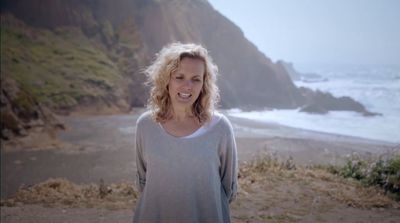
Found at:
(95, 148)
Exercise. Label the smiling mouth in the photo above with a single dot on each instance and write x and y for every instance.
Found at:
(184, 96)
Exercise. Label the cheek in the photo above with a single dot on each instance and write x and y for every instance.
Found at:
(200, 88)
(170, 90)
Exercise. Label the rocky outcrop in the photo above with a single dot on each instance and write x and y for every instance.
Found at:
(319, 102)
(322, 102)
(21, 114)
(300, 76)
(294, 74)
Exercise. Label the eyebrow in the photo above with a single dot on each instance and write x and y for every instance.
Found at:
(195, 76)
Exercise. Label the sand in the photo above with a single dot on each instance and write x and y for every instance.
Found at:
(101, 147)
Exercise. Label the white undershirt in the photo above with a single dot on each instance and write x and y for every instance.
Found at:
(204, 128)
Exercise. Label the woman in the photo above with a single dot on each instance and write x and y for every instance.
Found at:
(186, 151)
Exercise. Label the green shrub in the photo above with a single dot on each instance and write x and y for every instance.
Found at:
(392, 172)
(354, 168)
(382, 172)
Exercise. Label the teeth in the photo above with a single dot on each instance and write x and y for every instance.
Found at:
(183, 95)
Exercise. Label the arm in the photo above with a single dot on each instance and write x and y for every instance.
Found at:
(140, 162)
(229, 165)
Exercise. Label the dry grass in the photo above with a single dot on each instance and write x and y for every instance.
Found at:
(272, 190)
(61, 192)
(269, 190)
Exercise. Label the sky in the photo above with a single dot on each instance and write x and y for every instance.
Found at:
(349, 32)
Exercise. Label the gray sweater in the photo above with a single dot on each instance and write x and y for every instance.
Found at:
(185, 179)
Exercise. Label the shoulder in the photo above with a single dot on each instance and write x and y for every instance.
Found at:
(224, 122)
(145, 119)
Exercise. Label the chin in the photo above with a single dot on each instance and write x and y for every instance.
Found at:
(182, 103)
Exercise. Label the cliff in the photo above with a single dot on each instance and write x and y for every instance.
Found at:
(87, 55)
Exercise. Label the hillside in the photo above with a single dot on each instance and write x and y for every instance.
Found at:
(87, 56)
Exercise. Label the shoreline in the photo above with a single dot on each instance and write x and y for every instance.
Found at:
(344, 123)
(305, 147)
(301, 132)
(102, 147)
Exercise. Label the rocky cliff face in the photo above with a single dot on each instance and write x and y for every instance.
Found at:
(21, 113)
(248, 77)
(87, 55)
(156, 23)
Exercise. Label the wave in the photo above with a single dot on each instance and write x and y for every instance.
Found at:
(377, 88)
(384, 128)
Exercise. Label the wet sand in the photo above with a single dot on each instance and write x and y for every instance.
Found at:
(102, 147)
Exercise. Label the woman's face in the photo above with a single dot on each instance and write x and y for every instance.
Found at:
(186, 82)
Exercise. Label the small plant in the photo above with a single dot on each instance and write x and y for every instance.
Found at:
(384, 171)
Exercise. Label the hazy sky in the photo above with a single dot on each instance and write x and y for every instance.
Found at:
(320, 31)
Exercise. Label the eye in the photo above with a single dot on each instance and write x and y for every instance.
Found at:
(179, 77)
(197, 80)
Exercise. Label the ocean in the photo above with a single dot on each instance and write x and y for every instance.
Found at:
(376, 87)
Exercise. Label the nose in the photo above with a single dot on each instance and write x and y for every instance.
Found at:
(188, 84)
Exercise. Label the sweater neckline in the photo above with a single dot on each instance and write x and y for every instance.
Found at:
(187, 137)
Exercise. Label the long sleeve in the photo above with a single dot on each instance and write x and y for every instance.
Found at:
(229, 165)
(140, 161)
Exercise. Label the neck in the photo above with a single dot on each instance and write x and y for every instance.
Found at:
(182, 114)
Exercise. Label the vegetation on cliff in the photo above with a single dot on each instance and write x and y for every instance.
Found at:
(60, 68)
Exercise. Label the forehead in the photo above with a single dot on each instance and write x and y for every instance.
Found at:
(192, 66)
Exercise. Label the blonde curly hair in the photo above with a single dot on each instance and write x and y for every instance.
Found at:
(159, 72)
